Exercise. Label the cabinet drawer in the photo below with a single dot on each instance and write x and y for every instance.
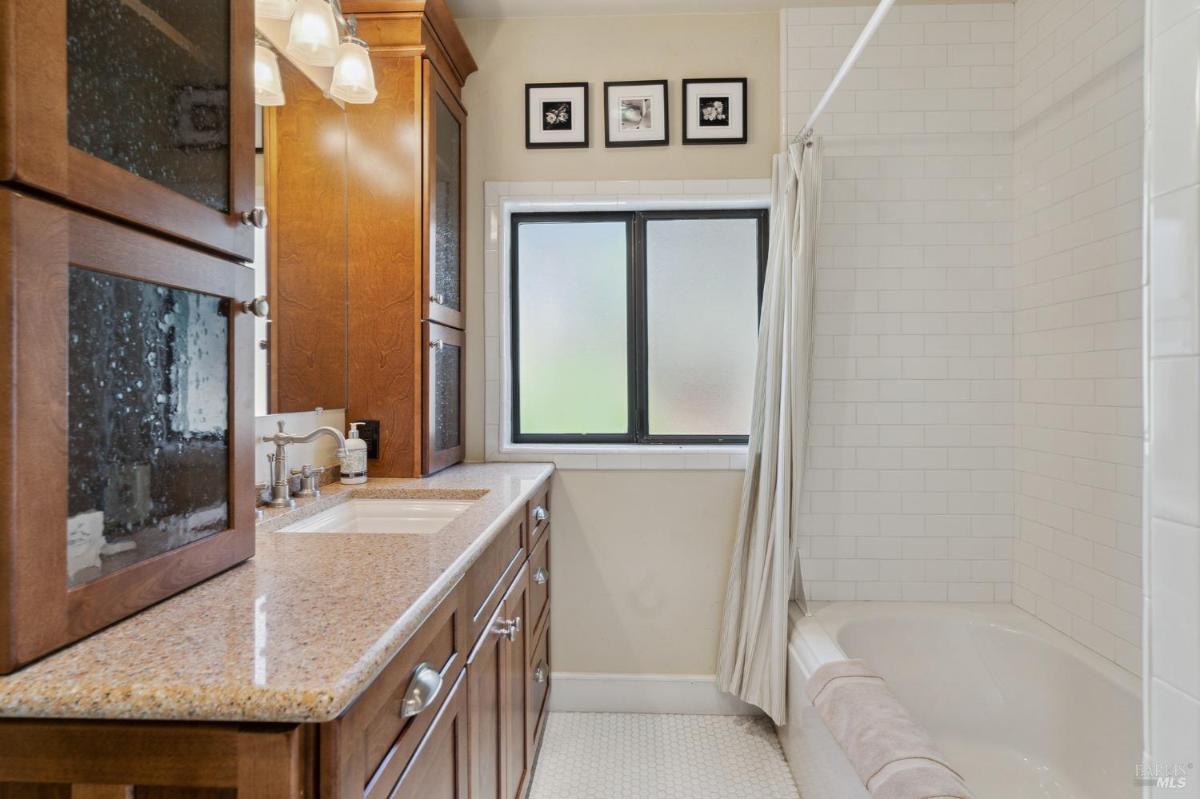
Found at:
(539, 580)
(439, 768)
(539, 513)
(489, 578)
(538, 691)
(370, 746)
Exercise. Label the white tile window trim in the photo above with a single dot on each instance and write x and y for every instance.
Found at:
(504, 198)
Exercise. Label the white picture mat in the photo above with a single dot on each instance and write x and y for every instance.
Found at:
(555, 94)
(736, 92)
(658, 113)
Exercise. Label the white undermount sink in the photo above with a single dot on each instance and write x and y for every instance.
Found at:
(385, 516)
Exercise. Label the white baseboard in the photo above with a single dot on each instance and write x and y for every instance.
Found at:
(692, 694)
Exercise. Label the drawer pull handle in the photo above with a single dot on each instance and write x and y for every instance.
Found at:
(508, 628)
(255, 217)
(540, 514)
(541, 576)
(541, 672)
(257, 306)
(424, 687)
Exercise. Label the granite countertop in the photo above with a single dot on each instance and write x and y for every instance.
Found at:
(292, 635)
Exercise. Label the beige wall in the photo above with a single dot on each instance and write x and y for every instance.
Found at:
(639, 558)
(638, 563)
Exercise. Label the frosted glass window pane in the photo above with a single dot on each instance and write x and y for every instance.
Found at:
(702, 325)
(572, 327)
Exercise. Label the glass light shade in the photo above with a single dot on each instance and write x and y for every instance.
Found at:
(274, 9)
(268, 85)
(353, 77)
(313, 37)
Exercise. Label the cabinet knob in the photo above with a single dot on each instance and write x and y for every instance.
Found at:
(438, 345)
(540, 514)
(508, 628)
(257, 306)
(541, 576)
(423, 688)
(541, 672)
(255, 217)
(437, 299)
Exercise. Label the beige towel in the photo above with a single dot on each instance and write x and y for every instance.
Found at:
(923, 780)
(876, 731)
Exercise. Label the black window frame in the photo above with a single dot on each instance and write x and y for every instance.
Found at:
(637, 356)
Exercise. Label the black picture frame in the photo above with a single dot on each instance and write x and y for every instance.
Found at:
(743, 108)
(585, 125)
(665, 113)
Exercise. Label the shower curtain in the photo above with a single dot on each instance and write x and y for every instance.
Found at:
(765, 571)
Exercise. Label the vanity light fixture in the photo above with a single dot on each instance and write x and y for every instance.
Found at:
(268, 85)
(353, 77)
(313, 37)
(274, 9)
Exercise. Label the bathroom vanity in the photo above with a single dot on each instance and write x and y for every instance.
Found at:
(408, 665)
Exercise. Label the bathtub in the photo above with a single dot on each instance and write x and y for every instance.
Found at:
(1019, 709)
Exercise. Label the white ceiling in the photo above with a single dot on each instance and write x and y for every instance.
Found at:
(586, 8)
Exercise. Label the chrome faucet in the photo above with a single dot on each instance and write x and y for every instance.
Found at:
(280, 491)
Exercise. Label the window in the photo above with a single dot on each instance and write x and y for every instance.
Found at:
(635, 327)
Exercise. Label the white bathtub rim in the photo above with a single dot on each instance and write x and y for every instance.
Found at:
(813, 639)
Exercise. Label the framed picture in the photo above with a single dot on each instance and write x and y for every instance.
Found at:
(635, 113)
(556, 115)
(714, 111)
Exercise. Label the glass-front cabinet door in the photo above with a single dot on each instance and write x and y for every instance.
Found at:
(142, 110)
(131, 406)
(443, 397)
(446, 136)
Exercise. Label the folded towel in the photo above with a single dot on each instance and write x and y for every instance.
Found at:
(918, 779)
(877, 733)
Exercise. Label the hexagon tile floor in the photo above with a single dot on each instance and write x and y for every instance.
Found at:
(648, 756)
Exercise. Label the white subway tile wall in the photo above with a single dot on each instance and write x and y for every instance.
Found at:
(1172, 550)
(1077, 320)
(909, 488)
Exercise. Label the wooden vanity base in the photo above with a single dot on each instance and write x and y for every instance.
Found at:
(479, 736)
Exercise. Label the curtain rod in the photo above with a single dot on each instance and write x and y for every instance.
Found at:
(860, 44)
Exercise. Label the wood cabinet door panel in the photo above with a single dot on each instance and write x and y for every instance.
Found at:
(445, 365)
(485, 689)
(513, 651)
(445, 209)
(188, 307)
(539, 690)
(539, 583)
(538, 511)
(438, 770)
(143, 111)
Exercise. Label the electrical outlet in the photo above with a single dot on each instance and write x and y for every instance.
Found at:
(369, 432)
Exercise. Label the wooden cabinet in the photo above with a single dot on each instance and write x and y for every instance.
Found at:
(142, 111)
(496, 681)
(513, 650)
(128, 386)
(445, 373)
(445, 162)
(405, 237)
(485, 716)
(436, 723)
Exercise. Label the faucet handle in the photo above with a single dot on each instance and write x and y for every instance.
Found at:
(280, 423)
(310, 480)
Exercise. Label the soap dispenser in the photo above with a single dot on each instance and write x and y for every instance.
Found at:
(354, 465)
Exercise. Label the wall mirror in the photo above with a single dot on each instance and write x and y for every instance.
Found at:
(300, 258)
